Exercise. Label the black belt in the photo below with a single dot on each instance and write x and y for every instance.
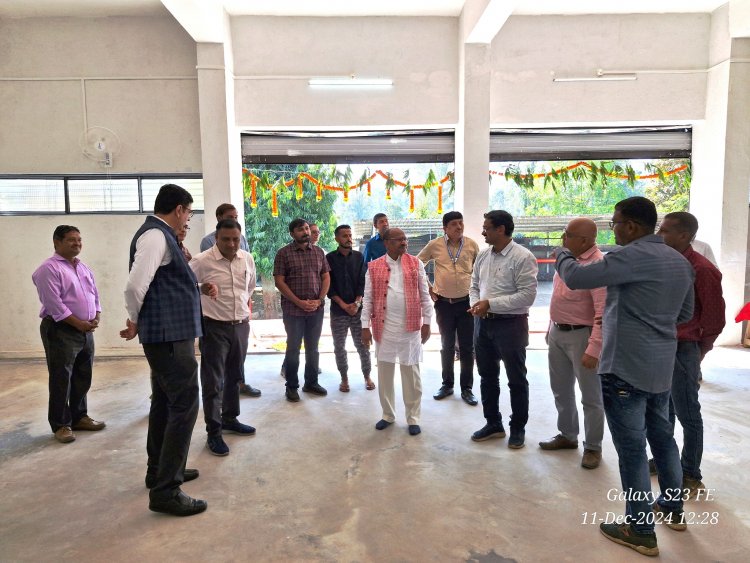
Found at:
(494, 316)
(453, 300)
(231, 323)
(567, 328)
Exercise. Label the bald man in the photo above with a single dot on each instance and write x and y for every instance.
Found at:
(575, 343)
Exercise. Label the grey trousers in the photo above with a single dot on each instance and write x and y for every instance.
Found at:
(341, 325)
(566, 348)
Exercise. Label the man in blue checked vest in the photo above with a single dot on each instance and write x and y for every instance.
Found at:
(163, 303)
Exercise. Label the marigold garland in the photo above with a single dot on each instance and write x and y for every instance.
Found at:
(320, 186)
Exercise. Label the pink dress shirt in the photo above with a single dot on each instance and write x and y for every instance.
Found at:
(65, 289)
(580, 306)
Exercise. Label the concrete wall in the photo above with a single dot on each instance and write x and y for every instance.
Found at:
(106, 243)
(41, 121)
(529, 48)
(131, 67)
(419, 54)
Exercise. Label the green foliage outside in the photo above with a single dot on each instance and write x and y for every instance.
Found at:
(267, 234)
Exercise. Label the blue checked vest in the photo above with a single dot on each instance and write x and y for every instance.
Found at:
(171, 310)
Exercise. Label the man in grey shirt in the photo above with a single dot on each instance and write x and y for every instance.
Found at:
(649, 291)
(503, 288)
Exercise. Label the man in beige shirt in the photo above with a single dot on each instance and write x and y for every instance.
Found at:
(226, 329)
(453, 256)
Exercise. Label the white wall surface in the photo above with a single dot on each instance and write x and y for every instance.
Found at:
(154, 113)
(419, 54)
(529, 48)
(106, 246)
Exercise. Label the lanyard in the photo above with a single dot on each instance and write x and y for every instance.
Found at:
(460, 248)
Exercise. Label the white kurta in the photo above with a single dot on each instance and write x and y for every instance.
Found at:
(397, 345)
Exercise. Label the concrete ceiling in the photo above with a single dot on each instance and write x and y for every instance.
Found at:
(89, 8)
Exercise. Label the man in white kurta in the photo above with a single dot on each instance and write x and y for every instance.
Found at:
(398, 308)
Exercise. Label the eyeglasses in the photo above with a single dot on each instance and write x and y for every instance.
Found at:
(190, 212)
(613, 223)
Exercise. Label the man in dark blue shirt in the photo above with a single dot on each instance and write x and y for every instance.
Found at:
(375, 248)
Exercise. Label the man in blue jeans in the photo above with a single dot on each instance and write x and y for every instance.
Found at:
(301, 273)
(695, 339)
(649, 291)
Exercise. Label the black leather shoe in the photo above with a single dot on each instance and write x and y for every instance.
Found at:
(292, 395)
(249, 390)
(179, 505)
(188, 475)
(315, 389)
(414, 429)
(443, 392)
(469, 398)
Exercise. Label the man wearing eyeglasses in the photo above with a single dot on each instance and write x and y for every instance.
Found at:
(649, 291)
(575, 343)
(164, 310)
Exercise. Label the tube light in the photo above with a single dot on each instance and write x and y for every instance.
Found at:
(351, 81)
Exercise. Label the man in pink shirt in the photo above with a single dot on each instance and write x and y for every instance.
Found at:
(70, 314)
(575, 342)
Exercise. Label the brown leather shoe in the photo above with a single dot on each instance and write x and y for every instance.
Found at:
(591, 459)
(559, 442)
(64, 435)
(88, 423)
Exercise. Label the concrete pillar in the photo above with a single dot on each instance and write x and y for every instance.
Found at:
(473, 136)
(220, 138)
(721, 166)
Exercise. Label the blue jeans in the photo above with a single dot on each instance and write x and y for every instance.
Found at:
(633, 416)
(686, 406)
(299, 328)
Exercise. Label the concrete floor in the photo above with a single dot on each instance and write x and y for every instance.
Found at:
(317, 482)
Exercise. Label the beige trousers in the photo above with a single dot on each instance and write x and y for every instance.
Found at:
(411, 385)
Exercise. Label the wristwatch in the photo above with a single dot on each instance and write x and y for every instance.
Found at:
(322, 301)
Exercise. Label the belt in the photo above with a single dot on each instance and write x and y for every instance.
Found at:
(230, 323)
(495, 316)
(567, 328)
(453, 300)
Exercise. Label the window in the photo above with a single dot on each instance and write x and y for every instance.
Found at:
(33, 195)
(103, 194)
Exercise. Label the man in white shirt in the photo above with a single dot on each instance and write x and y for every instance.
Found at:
(503, 288)
(226, 329)
(398, 308)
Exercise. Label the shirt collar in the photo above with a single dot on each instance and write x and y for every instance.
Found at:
(504, 251)
(589, 253)
(59, 258)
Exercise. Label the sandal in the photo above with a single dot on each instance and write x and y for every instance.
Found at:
(369, 385)
(344, 387)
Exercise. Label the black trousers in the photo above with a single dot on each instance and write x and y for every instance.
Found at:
(298, 329)
(223, 352)
(503, 340)
(70, 359)
(454, 321)
(174, 408)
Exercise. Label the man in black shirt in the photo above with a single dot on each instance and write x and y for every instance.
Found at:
(347, 288)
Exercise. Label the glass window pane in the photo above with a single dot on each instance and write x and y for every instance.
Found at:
(150, 187)
(32, 195)
(103, 194)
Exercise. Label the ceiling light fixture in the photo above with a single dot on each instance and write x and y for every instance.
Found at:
(351, 82)
(601, 76)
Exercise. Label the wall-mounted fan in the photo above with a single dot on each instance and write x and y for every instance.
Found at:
(100, 144)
